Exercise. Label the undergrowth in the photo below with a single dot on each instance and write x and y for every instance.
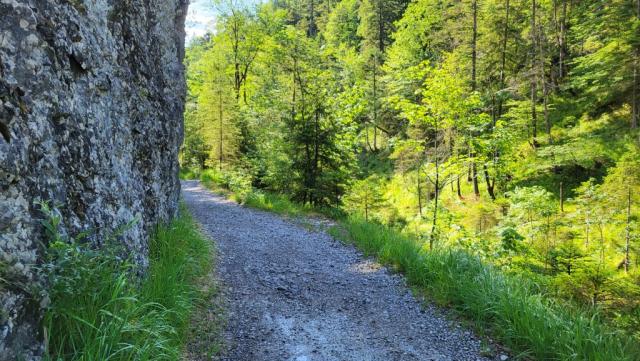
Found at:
(100, 310)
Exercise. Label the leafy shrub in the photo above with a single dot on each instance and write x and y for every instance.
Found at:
(234, 181)
(189, 173)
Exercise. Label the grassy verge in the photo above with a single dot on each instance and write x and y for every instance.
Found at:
(510, 308)
(100, 312)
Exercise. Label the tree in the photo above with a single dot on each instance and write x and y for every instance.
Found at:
(244, 36)
(316, 138)
(366, 196)
(444, 105)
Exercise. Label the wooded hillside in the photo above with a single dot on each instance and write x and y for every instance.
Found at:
(504, 128)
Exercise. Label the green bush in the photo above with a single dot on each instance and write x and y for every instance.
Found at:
(234, 181)
(509, 307)
(100, 310)
(189, 173)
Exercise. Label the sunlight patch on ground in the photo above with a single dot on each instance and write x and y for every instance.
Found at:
(366, 266)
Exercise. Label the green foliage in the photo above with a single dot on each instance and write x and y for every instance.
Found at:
(504, 129)
(100, 310)
(237, 182)
(275, 203)
(366, 197)
(510, 239)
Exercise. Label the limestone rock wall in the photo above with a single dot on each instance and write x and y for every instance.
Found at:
(91, 103)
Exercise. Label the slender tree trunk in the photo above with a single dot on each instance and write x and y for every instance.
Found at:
(503, 55)
(545, 86)
(419, 194)
(375, 103)
(562, 43)
(366, 205)
(469, 173)
(636, 101)
(627, 247)
(435, 209)
(474, 85)
(534, 77)
(474, 41)
(380, 27)
(432, 236)
(561, 197)
(587, 229)
(474, 171)
(601, 229)
(498, 112)
(236, 61)
(636, 79)
(220, 131)
(312, 20)
(490, 184)
(316, 148)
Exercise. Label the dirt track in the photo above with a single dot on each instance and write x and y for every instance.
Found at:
(296, 294)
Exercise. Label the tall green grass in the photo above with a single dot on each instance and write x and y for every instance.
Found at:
(99, 309)
(510, 308)
(275, 203)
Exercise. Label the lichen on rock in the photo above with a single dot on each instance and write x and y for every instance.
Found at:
(91, 103)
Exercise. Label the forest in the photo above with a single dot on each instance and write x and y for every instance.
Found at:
(504, 129)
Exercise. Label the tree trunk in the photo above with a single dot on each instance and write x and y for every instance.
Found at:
(366, 205)
(312, 31)
(627, 247)
(587, 229)
(503, 56)
(474, 41)
(380, 27)
(636, 79)
(419, 194)
(545, 86)
(563, 40)
(474, 171)
(375, 103)
(432, 236)
(534, 77)
(561, 198)
(316, 148)
(220, 149)
(490, 184)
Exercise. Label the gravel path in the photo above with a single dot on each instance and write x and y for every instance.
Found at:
(297, 294)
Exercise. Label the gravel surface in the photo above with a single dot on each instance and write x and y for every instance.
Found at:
(294, 293)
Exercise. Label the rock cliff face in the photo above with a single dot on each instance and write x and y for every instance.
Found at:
(91, 103)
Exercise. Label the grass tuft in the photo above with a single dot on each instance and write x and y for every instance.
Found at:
(100, 311)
